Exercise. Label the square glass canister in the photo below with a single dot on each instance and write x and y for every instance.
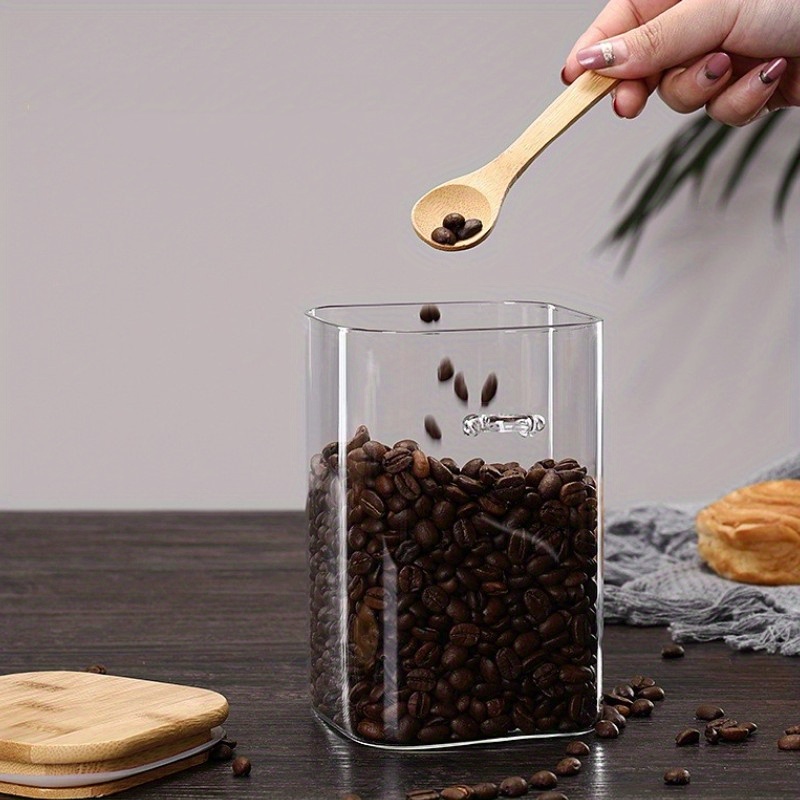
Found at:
(454, 521)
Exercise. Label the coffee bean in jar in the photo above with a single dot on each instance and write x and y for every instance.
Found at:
(469, 610)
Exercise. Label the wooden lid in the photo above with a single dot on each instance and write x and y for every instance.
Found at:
(81, 717)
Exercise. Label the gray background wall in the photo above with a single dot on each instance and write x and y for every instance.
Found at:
(181, 180)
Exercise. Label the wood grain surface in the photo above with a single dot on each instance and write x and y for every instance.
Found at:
(219, 601)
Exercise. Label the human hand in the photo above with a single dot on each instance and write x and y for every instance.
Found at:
(738, 58)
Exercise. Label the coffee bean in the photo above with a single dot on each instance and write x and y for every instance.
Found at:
(472, 227)
(567, 766)
(432, 428)
(97, 669)
(642, 708)
(687, 736)
(789, 742)
(708, 711)
(552, 796)
(750, 727)
(676, 777)
(625, 691)
(578, 749)
(241, 767)
(351, 796)
(423, 794)
(460, 387)
(484, 791)
(624, 710)
(639, 682)
(221, 752)
(734, 734)
(515, 786)
(654, 693)
(444, 235)
(459, 792)
(611, 714)
(792, 730)
(543, 779)
(454, 221)
(711, 735)
(605, 729)
(446, 370)
(465, 634)
(672, 651)
(489, 390)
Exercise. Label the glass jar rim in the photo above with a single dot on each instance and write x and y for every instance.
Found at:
(576, 319)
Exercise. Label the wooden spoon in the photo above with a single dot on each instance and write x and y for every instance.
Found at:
(480, 194)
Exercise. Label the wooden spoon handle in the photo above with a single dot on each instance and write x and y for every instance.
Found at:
(568, 107)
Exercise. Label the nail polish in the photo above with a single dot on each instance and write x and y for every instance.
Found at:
(772, 71)
(714, 69)
(603, 55)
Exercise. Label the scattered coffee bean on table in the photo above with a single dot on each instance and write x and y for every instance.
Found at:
(470, 228)
(459, 792)
(444, 236)
(687, 736)
(460, 387)
(792, 729)
(97, 669)
(489, 389)
(672, 651)
(653, 693)
(552, 796)
(677, 777)
(543, 779)
(751, 727)
(642, 708)
(515, 786)
(241, 767)
(611, 714)
(445, 371)
(422, 794)
(605, 729)
(484, 791)
(221, 752)
(454, 222)
(578, 749)
(351, 796)
(735, 733)
(432, 428)
(789, 742)
(708, 711)
(430, 313)
(567, 766)
(625, 711)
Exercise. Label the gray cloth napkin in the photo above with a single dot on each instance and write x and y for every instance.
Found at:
(653, 576)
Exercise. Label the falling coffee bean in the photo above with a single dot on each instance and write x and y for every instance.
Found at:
(676, 777)
(708, 711)
(672, 651)
(567, 766)
(430, 313)
(489, 389)
(789, 742)
(514, 786)
(543, 779)
(687, 736)
(454, 222)
(460, 387)
(446, 370)
(241, 766)
(606, 729)
(578, 749)
(470, 228)
(432, 428)
(444, 236)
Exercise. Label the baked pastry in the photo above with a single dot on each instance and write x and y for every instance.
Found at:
(752, 535)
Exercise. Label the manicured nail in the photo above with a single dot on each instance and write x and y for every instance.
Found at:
(714, 69)
(773, 71)
(611, 53)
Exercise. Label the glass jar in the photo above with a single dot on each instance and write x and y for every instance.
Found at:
(455, 461)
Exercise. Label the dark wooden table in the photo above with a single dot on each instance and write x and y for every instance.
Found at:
(219, 600)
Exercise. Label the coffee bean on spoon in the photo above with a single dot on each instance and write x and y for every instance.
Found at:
(430, 313)
(432, 428)
(677, 777)
(489, 389)
(460, 387)
(470, 228)
(444, 236)
(454, 222)
(708, 711)
(445, 371)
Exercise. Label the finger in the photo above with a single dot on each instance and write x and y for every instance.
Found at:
(630, 97)
(687, 89)
(617, 17)
(744, 100)
(683, 32)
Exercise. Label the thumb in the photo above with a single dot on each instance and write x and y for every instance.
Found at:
(682, 33)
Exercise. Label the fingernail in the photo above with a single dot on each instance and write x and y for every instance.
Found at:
(772, 71)
(611, 53)
(614, 105)
(714, 69)
(564, 77)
